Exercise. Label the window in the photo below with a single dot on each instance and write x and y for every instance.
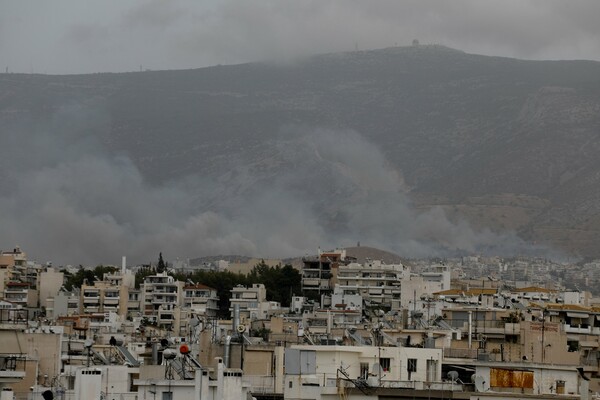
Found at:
(290, 384)
(385, 364)
(167, 396)
(411, 365)
(364, 370)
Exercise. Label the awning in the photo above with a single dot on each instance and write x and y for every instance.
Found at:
(577, 315)
(588, 343)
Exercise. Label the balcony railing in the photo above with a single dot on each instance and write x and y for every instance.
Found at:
(578, 329)
(111, 300)
(450, 352)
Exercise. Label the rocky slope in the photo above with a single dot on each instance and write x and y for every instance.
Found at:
(506, 144)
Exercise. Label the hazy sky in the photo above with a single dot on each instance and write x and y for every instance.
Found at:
(75, 36)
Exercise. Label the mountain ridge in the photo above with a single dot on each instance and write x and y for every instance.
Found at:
(502, 143)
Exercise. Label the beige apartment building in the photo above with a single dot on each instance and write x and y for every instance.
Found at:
(109, 295)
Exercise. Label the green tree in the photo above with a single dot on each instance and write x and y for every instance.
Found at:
(161, 266)
(86, 276)
(142, 273)
(280, 282)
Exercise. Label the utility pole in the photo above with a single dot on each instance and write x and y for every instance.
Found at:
(544, 313)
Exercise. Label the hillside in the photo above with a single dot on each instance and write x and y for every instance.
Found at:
(505, 144)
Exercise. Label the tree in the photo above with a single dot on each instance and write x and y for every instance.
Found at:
(281, 282)
(86, 276)
(142, 273)
(161, 266)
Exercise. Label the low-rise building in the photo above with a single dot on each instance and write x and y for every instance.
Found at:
(318, 372)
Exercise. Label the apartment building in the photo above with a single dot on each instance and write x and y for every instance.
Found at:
(314, 372)
(375, 281)
(22, 294)
(201, 299)
(319, 273)
(13, 261)
(160, 295)
(62, 304)
(134, 303)
(252, 302)
(109, 295)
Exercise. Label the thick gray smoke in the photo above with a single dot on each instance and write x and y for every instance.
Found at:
(370, 203)
(65, 198)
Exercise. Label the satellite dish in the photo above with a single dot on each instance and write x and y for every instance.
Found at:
(88, 343)
(164, 342)
(194, 322)
(453, 376)
(479, 383)
(169, 354)
(241, 328)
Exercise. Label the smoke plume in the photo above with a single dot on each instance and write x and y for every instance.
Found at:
(67, 199)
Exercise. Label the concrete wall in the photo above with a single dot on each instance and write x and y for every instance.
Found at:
(42, 351)
(349, 359)
(50, 282)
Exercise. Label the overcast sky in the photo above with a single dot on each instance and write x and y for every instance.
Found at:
(75, 36)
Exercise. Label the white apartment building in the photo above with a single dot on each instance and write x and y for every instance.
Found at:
(252, 302)
(314, 372)
(375, 281)
(161, 294)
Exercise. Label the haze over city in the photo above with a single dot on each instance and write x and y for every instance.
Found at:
(299, 200)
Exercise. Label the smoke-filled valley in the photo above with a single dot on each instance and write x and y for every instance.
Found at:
(423, 151)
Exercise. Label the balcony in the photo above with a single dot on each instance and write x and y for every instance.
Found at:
(16, 297)
(165, 290)
(310, 282)
(165, 318)
(91, 300)
(450, 352)
(111, 300)
(16, 290)
(159, 300)
(578, 329)
(12, 368)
